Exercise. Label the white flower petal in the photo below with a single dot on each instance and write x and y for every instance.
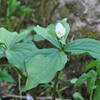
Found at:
(60, 30)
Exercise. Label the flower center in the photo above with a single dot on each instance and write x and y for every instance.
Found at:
(60, 33)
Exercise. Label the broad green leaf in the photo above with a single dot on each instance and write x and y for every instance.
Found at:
(25, 34)
(19, 53)
(38, 38)
(97, 91)
(4, 76)
(42, 67)
(47, 34)
(15, 52)
(8, 38)
(87, 45)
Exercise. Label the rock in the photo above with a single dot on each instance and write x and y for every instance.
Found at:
(83, 12)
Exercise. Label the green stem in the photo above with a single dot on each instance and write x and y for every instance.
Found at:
(19, 85)
(91, 95)
(9, 23)
(23, 76)
(92, 91)
(55, 85)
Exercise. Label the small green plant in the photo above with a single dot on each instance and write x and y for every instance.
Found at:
(39, 66)
(15, 13)
(47, 88)
(91, 80)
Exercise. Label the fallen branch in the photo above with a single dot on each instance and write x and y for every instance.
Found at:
(28, 97)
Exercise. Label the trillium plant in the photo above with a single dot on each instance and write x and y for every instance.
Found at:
(39, 66)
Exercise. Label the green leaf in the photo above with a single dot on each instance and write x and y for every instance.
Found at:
(15, 52)
(74, 80)
(92, 64)
(83, 78)
(91, 84)
(97, 91)
(77, 96)
(8, 38)
(43, 67)
(19, 53)
(47, 34)
(1, 52)
(4, 76)
(38, 38)
(25, 34)
(26, 10)
(87, 45)
(12, 6)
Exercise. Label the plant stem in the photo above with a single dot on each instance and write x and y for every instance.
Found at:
(19, 85)
(92, 91)
(91, 95)
(55, 84)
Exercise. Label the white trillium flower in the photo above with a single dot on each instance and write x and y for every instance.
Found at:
(60, 30)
